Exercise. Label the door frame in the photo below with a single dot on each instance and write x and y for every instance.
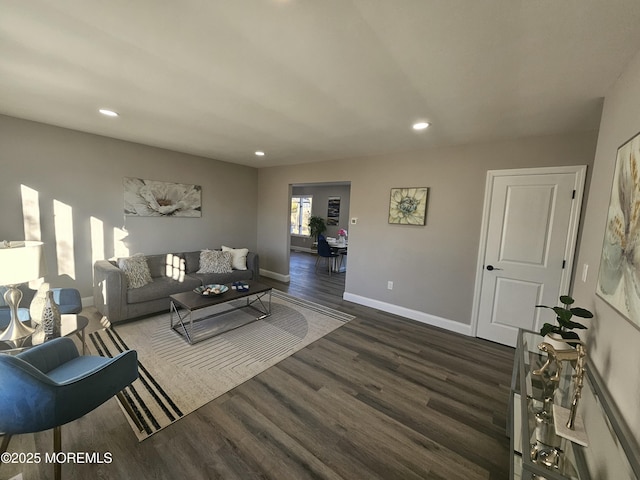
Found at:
(580, 172)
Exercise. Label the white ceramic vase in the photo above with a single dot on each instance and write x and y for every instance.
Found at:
(556, 341)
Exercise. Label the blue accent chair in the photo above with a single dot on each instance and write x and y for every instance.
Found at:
(52, 384)
(67, 299)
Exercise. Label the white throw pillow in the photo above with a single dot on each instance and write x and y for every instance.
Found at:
(136, 269)
(239, 257)
(215, 261)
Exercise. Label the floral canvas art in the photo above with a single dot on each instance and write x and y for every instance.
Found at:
(408, 206)
(150, 198)
(619, 276)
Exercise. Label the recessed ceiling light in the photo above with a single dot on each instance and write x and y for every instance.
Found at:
(108, 113)
(259, 153)
(420, 125)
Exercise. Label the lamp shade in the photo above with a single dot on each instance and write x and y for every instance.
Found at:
(21, 262)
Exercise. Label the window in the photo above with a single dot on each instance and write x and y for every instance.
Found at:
(300, 214)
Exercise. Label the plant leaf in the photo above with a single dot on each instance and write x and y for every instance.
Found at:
(581, 312)
(563, 314)
(566, 299)
(571, 324)
(570, 335)
(547, 328)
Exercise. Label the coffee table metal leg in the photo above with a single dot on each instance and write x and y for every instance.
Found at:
(266, 311)
(187, 333)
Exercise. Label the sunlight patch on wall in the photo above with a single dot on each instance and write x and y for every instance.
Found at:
(63, 225)
(97, 239)
(31, 213)
(120, 248)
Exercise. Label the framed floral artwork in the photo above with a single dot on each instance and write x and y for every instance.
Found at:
(408, 206)
(150, 198)
(619, 274)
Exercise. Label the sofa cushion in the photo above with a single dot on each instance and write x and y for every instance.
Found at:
(160, 288)
(214, 261)
(225, 278)
(165, 265)
(136, 270)
(192, 261)
(238, 257)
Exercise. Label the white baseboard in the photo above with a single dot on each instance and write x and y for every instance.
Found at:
(409, 313)
(275, 276)
(87, 302)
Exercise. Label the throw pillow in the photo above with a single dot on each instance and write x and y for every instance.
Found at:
(239, 257)
(136, 270)
(215, 261)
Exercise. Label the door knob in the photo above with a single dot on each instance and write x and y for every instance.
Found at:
(491, 267)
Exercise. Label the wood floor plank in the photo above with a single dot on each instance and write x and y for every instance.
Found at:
(379, 398)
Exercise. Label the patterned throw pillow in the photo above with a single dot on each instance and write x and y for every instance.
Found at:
(136, 270)
(215, 261)
(239, 257)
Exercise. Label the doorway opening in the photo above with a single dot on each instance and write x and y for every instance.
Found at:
(329, 201)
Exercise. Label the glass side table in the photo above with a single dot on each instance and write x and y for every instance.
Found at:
(537, 451)
(70, 324)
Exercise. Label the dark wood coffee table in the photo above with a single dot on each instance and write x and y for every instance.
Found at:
(183, 305)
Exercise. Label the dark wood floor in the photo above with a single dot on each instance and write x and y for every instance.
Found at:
(380, 398)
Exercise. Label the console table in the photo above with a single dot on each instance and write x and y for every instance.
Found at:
(611, 453)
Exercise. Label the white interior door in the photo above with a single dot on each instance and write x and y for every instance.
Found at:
(529, 233)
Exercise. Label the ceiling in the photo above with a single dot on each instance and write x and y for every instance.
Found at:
(310, 80)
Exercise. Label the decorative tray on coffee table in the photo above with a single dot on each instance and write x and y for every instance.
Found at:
(209, 290)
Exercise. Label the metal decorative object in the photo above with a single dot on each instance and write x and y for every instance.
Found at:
(51, 319)
(578, 379)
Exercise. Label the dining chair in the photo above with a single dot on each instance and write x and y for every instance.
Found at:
(325, 252)
(51, 384)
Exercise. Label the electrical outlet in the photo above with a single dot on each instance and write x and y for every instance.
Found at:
(354, 221)
(390, 285)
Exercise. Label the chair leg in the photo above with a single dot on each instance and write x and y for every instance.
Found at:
(6, 438)
(57, 448)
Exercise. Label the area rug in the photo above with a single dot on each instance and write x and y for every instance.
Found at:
(177, 378)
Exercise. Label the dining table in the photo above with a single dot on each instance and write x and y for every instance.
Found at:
(340, 248)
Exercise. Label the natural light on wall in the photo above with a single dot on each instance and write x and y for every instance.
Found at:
(31, 221)
(63, 224)
(120, 248)
(97, 239)
(31, 214)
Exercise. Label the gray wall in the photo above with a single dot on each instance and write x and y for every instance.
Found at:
(612, 340)
(82, 175)
(321, 194)
(432, 266)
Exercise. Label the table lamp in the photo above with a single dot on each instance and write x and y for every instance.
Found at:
(20, 262)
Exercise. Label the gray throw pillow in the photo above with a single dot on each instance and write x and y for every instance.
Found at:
(136, 270)
(215, 261)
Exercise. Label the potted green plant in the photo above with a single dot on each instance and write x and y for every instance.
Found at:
(317, 226)
(564, 315)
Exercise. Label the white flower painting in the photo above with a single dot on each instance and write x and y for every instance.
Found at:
(408, 206)
(150, 198)
(619, 276)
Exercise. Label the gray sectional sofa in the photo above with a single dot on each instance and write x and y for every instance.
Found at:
(171, 273)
